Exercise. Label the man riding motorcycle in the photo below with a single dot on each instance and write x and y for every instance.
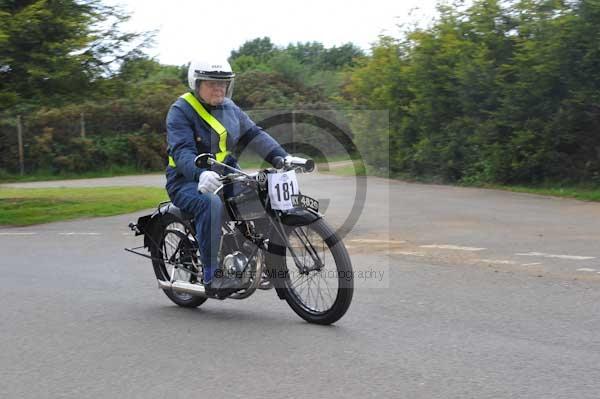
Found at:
(206, 120)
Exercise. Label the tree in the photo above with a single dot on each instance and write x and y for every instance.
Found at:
(309, 53)
(500, 91)
(261, 49)
(52, 52)
(315, 55)
(339, 57)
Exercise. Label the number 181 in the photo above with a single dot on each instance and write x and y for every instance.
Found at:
(286, 189)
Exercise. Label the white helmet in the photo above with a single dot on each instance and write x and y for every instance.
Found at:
(218, 69)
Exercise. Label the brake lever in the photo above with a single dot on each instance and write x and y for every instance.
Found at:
(212, 161)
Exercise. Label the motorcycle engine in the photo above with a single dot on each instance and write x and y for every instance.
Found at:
(234, 264)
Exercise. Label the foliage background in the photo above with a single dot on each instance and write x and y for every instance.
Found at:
(504, 92)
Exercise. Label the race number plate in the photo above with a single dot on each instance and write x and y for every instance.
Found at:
(302, 201)
(282, 186)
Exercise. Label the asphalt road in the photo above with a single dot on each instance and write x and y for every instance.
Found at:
(464, 293)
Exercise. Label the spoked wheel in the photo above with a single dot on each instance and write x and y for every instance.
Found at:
(176, 253)
(320, 283)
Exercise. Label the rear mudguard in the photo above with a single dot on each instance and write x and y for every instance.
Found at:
(151, 225)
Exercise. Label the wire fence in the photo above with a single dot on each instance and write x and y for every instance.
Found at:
(76, 143)
(73, 140)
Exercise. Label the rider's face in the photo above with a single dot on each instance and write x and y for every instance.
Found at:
(213, 91)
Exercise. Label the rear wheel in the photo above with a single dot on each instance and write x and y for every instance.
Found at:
(319, 284)
(174, 254)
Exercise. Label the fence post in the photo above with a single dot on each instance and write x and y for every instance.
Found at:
(293, 149)
(83, 125)
(20, 140)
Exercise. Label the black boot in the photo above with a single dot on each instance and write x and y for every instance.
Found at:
(222, 287)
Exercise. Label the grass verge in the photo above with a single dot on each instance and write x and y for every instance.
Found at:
(347, 170)
(583, 193)
(23, 207)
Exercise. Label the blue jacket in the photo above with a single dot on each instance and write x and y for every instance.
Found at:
(188, 135)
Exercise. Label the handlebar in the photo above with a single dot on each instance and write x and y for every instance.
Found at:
(287, 163)
(291, 162)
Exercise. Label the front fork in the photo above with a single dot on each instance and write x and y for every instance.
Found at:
(303, 238)
(276, 255)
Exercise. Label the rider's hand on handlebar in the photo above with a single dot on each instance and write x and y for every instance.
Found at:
(209, 182)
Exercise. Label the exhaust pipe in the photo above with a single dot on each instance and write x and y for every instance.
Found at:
(182, 286)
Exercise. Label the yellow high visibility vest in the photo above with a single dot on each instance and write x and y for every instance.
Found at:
(212, 122)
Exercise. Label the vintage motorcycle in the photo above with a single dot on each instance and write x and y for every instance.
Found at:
(273, 237)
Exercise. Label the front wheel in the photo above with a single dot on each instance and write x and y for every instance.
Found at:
(319, 283)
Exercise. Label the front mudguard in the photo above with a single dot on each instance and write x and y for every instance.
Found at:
(299, 217)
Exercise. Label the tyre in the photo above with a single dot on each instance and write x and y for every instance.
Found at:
(174, 246)
(319, 282)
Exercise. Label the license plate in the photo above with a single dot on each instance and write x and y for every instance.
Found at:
(303, 201)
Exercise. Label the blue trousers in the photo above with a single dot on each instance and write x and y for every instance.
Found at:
(208, 217)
